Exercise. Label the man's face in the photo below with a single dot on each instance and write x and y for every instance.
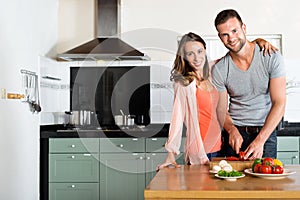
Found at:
(232, 34)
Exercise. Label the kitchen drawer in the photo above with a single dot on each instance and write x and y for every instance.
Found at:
(74, 191)
(74, 145)
(122, 145)
(288, 157)
(74, 167)
(155, 144)
(158, 144)
(287, 143)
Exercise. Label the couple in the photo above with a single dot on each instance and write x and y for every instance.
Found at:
(254, 81)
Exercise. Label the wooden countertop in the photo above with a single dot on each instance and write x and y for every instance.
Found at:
(195, 182)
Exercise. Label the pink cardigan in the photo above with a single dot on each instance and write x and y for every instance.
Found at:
(185, 111)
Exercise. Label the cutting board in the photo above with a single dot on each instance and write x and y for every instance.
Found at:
(236, 165)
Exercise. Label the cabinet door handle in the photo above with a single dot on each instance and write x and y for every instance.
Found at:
(73, 186)
(294, 157)
(121, 145)
(73, 146)
(141, 158)
(72, 157)
(148, 158)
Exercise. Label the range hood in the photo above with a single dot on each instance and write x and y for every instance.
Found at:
(106, 46)
(103, 49)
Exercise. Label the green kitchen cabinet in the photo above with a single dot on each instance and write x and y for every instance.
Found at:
(74, 145)
(288, 149)
(122, 145)
(122, 176)
(74, 191)
(288, 157)
(122, 168)
(103, 168)
(152, 161)
(73, 168)
(156, 145)
(156, 154)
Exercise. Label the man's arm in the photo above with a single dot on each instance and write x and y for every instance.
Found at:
(278, 98)
(235, 139)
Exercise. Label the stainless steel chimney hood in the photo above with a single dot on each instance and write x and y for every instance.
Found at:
(107, 46)
(103, 49)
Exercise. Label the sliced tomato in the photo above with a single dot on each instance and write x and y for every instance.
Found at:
(232, 158)
(242, 155)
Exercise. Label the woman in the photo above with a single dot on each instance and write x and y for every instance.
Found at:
(195, 102)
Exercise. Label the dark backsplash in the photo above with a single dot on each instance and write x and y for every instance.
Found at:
(107, 90)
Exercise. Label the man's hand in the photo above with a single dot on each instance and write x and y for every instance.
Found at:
(235, 139)
(254, 150)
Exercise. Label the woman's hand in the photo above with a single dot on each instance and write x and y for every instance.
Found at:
(204, 161)
(170, 160)
(266, 46)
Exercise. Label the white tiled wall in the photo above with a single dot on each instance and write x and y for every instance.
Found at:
(293, 90)
(161, 91)
(55, 94)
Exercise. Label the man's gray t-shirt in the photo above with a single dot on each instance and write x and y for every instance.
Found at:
(250, 101)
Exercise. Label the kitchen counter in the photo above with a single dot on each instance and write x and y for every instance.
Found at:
(195, 182)
(60, 131)
(152, 130)
(290, 129)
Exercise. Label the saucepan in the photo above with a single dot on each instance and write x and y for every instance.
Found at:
(78, 117)
(124, 120)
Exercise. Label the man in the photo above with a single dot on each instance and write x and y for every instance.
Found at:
(256, 86)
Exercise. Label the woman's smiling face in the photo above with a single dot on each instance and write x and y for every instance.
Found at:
(195, 54)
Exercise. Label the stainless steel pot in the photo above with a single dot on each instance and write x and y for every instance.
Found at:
(78, 117)
(130, 120)
(124, 120)
(120, 120)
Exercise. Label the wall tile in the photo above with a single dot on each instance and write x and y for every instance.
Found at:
(155, 100)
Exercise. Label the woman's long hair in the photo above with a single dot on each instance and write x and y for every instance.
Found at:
(182, 71)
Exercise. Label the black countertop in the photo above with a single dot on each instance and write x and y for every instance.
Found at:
(290, 129)
(151, 130)
(60, 131)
